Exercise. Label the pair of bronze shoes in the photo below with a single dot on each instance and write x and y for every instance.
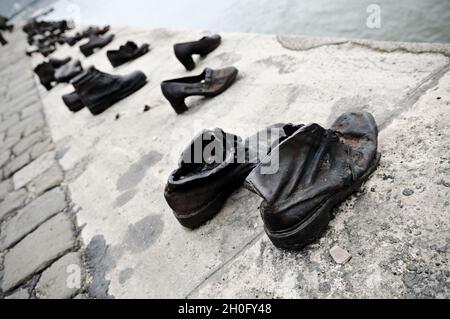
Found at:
(98, 90)
(57, 70)
(209, 83)
(306, 171)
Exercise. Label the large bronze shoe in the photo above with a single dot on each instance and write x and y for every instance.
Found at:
(127, 52)
(47, 70)
(89, 32)
(46, 73)
(198, 188)
(68, 71)
(98, 90)
(213, 166)
(95, 31)
(202, 47)
(318, 169)
(95, 42)
(3, 40)
(209, 84)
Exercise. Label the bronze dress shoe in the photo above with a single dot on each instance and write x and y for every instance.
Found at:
(209, 84)
(95, 42)
(128, 52)
(202, 47)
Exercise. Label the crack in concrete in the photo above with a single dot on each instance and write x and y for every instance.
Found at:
(381, 47)
(416, 93)
(226, 263)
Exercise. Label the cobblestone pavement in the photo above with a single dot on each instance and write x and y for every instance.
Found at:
(40, 252)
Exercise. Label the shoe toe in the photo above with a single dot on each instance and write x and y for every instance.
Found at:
(359, 130)
(230, 71)
(133, 78)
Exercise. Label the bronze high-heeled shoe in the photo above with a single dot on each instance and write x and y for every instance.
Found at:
(209, 84)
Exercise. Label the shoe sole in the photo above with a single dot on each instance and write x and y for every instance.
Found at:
(312, 228)
(102, 106)
(207, 212)
(74, 107)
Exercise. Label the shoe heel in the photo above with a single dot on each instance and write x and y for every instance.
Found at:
(178, 105)
(176, 98)
(185, 58)
(48, 86)
(86, 52)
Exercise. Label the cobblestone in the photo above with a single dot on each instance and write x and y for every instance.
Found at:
(16, 130)
(4, 157)
(37, 122)
(36, 168)
(9, 122)
(40, 148)
(21, 293)
(38, 250)
(31, 110)
(30, 217)
(9, 142)
(62, 280)
(5, 188)
(16, 164)
(47, 180)
(27, 143)
(35, 234)
(12, 202)
(27, 126)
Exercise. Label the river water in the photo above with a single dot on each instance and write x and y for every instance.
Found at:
(396, 20)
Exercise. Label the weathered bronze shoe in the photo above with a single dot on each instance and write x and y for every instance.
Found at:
(3, 40)
(68, 71)
(318, 169)
(209, 84)
(127, 52)
(204, 46)
(46, 73)
(198, 188)
(95, 42)
(90, 31)
(213, 166)
(72, 40)
(98, 90)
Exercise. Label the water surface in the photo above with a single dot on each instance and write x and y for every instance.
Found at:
(401, 20)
